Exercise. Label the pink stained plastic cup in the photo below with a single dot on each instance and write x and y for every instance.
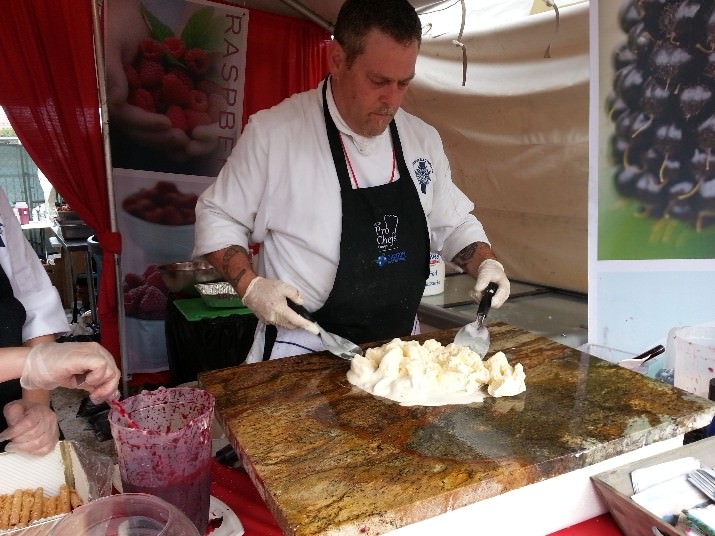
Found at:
(164, 449)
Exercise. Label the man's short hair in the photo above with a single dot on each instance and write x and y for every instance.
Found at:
(396, 18)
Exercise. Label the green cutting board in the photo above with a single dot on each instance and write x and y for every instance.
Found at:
(195, 309)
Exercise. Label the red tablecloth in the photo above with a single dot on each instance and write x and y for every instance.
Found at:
(602, 525)
(233, 487)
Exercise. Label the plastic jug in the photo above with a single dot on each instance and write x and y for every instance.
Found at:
(435, 281)
(692, 351)
(163, 443)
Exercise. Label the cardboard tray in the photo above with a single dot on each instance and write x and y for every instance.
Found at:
(616, 489)
(88, 472)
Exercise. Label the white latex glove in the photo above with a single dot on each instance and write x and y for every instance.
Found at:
(267, 299)
(32, 427)
(491, 270)
(84, 365)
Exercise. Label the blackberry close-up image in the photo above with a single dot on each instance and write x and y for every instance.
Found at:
(661, 106)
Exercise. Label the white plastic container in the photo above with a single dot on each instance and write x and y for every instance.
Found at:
(693, 350)
(435, 282)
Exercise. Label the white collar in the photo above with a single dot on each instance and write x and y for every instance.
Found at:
(365, 145)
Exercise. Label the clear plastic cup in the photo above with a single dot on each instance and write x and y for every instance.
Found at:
(128, 514)
(163, 443)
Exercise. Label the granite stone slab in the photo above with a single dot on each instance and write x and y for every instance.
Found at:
(331, 459)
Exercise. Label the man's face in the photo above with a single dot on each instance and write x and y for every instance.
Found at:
(370, 91)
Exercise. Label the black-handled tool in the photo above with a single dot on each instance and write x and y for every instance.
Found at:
(486, 302)
(302, 311)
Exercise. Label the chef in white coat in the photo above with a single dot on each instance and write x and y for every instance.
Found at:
(347, 194)
(31, 362)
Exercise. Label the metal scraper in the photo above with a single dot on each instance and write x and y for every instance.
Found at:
(475, 336)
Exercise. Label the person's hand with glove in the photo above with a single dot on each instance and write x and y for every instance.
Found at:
(32, 427)
(267, 298)
(83, 365)
(489, 271)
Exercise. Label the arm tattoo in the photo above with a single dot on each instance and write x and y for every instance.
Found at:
(229, 254)
(462, 258)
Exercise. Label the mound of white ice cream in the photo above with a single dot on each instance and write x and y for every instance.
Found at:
(430, 374)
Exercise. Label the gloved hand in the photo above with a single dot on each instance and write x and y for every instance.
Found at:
(32, 427)
(491, 270)
(267, 299)
(85, 365)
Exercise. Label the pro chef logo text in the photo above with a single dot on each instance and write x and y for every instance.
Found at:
(386, 239)
(423, 172)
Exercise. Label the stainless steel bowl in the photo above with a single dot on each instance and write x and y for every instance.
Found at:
(182, 276)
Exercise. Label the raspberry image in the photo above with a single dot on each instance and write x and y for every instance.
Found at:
(198, 101)
(197, 61)
(143, 99)
(154, 279)
(132, 281)
(177, 117)
(150, 72)
(175, 47)
(170, 77)
(182, 75)
(152, 304)
(150, 269)
(175, 91)
(151, 49)
(196, 119)
(132, 77)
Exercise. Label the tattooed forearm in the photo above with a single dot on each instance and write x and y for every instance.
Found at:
(463, 257)
(472, 256)
(228, 255)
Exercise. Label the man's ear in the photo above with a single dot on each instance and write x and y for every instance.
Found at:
(336, 57)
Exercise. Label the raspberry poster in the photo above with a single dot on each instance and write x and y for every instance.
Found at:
(175, 78)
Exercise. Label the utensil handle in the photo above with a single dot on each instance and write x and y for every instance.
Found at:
(302, 311)
(486, 302)
(650, 354)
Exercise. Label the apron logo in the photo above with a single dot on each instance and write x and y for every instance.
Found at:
(2, 244)
(386, 231)
(423, 172)
(386, 237)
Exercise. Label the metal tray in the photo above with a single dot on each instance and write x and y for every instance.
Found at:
(219, 294)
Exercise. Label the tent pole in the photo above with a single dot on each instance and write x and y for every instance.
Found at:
(101, 85)
(308, 13)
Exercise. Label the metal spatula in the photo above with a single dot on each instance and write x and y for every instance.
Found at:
(335, 344)
(475, 336)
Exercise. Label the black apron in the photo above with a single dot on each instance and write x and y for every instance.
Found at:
(12, 318)
(384, 252)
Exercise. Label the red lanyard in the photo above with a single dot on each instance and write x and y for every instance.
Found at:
(350, 165)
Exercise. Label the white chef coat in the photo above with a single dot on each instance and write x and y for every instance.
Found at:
(30, 283)
(279, 188)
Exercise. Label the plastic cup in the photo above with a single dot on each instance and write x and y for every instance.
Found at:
(128, 514)
(164, 447)
(693, 351)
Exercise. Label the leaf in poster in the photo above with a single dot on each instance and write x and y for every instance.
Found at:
(204, 30)
(157, 29)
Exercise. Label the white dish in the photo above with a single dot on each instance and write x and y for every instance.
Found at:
(231, 525)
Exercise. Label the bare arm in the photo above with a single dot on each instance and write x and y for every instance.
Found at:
(472, 256)
(234, 264)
